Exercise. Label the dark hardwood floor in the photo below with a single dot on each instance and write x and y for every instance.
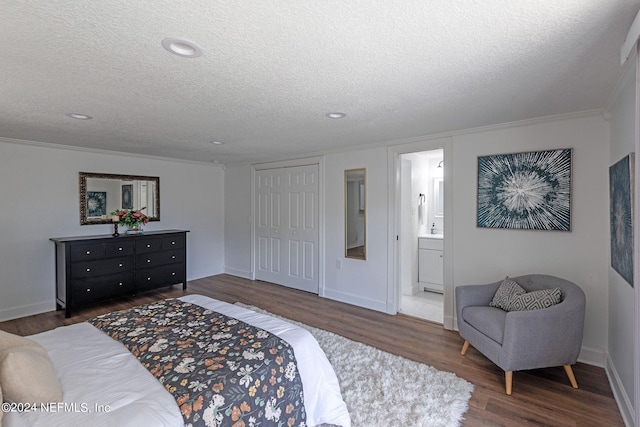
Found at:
(540, 397)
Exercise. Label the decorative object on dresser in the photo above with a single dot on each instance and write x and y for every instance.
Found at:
(96, 268)
(133, 219)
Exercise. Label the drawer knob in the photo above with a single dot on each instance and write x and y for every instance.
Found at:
(173, 243)
(88, 289)
(120, 265)
(88, 252)
(88, 269)
(148, 246)
(148, 260)
(120, 284)
(148, 278)
(173, 257)
(119, 249)
(173, 273)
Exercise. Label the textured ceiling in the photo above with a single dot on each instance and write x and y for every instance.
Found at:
(271, 70)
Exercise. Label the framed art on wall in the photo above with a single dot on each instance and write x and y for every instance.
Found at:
(526, 191)
(96, 203)
(127, 200)
(621, 179)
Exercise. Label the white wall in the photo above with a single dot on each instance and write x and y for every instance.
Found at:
(620, 365)
(39, 187)
(487, 255)
(238, 221)
(360, 282)
(479, 255)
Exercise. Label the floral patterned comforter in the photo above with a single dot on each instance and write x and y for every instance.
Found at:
(221, 371)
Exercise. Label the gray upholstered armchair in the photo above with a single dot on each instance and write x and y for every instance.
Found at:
(520, 340)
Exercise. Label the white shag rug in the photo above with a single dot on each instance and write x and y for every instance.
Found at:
(385, 390)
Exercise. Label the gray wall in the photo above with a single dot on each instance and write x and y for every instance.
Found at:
(478, 255)
(40, 199)
(620, 363)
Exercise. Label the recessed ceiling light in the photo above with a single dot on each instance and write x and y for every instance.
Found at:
(335, 115)
(182, 47)
(79, 116)
(217, 142)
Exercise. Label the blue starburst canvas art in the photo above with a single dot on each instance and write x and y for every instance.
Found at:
(96, 203)
(527, 191)
(621, 177)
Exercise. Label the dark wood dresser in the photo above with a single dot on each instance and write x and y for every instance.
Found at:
(96, 268)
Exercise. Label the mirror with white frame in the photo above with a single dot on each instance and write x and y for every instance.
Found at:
(102, 193)
(355, 213)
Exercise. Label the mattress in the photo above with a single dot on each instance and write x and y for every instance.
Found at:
(105, 385)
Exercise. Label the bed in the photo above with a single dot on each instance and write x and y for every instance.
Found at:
(104, 384)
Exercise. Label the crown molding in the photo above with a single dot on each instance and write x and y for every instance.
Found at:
(628, 73)
(379, 144)
(101, 151)
(627, 49)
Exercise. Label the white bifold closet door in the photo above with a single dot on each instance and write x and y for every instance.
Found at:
(286, 225)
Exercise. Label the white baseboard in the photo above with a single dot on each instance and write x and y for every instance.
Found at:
(356, 300)
(450, 323)
(592, 356)
(622, 399)
(26, 310)
(240, 273)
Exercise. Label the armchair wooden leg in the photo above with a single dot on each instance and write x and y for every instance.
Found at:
(508, 381)
(465, 347)
(572, 378)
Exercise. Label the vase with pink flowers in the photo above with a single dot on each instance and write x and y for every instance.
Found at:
(134, 219)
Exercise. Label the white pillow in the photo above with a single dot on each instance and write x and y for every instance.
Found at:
(8, 341)
(27, 375)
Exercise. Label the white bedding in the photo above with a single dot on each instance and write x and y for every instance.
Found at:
(98, 373)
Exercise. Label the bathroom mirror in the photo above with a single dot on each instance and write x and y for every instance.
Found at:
(438, 197)
(101, 194)
(355, 213)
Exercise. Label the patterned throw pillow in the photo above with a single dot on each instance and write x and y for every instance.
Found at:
(507, 290)
(534, 300)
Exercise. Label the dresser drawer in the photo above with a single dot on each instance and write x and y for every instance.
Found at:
(153, 259)
(173, 242)
(151, 278)
(101, 267)
(151, 244)
(117, 249)
(87, 252)
(102, 287)
(94, 268)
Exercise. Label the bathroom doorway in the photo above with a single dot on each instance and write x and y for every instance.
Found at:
(420, 251)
